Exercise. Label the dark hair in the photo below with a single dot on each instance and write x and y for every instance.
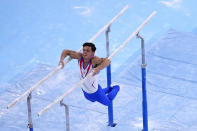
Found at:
(93, 47)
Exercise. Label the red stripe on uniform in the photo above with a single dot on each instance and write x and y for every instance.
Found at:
(81, 62)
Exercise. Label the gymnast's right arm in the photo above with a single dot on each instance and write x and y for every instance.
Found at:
(72, 54)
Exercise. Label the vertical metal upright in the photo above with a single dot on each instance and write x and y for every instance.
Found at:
(144, 97)
(110, 107)
(30, 124)
(67, 115)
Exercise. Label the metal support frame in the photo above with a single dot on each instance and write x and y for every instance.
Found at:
(144, 97)
(110, 107)
(67, 115)
(30, 124)
(77, 85)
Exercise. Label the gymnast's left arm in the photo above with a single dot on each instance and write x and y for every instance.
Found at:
(101, 62)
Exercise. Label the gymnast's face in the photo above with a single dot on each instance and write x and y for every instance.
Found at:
(88, 53)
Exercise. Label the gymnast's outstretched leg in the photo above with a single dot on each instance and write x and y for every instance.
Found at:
(106, 95)
(103, 96)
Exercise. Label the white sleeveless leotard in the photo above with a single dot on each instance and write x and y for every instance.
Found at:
(90, 85)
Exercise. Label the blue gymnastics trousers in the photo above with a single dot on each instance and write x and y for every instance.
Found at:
(103, 96)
